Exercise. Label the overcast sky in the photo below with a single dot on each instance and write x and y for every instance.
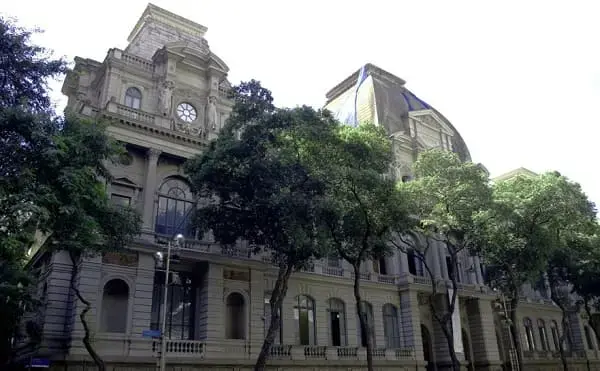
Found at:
(520, 80)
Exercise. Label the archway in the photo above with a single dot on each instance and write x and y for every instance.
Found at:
(427, 350)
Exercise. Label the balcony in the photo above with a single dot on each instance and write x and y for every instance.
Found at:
(199, 350)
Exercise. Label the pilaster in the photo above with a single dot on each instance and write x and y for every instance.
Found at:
(152, 156)
(411, 322)
(486, 354)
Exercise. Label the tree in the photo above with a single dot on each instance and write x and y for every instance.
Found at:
(25, 69)
(52, 180)
(362, 206)
(260, 183)
(445, 197)
(528, 221)
(572, 272)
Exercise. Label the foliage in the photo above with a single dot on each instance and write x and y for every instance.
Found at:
(444, 198)
(52, 180)
(531, 218)
(25, 69)
(362, 204)
(259, 182)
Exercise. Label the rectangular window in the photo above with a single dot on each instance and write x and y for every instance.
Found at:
(120, 200)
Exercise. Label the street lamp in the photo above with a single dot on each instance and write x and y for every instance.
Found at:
(163, 341)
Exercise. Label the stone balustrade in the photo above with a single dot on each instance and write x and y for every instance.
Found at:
(200, 350)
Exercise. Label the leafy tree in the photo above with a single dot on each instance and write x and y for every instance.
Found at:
(261, 184)
(572, 273)
(444, 198)
(52, 181)
(362, 205)
(25, 69)
(528, 222)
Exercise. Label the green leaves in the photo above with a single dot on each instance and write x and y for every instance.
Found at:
(531, 218)
(260, 181)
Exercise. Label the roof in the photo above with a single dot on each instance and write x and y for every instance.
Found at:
(514, 173)
(393, 102)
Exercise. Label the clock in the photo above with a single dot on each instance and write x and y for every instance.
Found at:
(186, 112)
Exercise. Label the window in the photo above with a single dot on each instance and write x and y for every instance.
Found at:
(391, 327)
(115, 306)
(367, 309)
(415, 265)
(236, 317)
(334, 262)
(267, 313)
(529, 334)
(133, 98)
(588, 337)
(543, 335)
(120, 200)
(337, 323)
(555, 335)
(180, 305)
(304, 315)
(175, 205)
(406, 178)
(453, 268)
(380, 266)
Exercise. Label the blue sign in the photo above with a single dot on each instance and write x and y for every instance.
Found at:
(39, 363)
(151, 333)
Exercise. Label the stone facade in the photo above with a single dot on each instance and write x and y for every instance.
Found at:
(165, 95)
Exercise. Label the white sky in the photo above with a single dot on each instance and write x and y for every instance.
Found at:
(520, 80)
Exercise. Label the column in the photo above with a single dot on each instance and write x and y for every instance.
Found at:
(403, 263)
(483, 334)
(472, 269)
(478, 270)
(441, 250)
(436, 260)
(256, 325)
(152, 156)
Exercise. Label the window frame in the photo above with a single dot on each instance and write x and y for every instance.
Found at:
(133, 95)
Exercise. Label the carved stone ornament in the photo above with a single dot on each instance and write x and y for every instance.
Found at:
(188, 128)
(423, 299)
(165, 93)
(211, 113)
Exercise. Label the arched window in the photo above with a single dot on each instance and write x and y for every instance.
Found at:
(115, 306)
(529, 334)
(133, 98)
(367, 309)
(236, 317)
(543, 334)
(380, 266)
(175, 208)
(304, 314)
(555, 335)
(337, 322)
(391, 327)
(588, 337)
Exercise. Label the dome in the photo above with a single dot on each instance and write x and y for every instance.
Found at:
(383, 99)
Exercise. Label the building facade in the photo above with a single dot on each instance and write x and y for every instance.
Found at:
(165, 95)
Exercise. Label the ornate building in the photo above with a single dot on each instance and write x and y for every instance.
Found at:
(165, 96)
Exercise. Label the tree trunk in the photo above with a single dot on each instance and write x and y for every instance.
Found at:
(98, 361)
(277, 296)
(564, 325)
(445, 322)
(362, 318)
(514, 330)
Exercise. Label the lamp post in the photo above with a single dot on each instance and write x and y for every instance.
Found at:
(163, 328)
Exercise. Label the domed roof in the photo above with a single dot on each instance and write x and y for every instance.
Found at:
(384, 99)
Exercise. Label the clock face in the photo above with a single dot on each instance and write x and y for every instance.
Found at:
(186, 112)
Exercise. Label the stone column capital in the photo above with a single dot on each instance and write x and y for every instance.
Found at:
(153, 153)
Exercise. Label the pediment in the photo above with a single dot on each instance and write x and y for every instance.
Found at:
(196, 51)
(430, 118)
(124, 181)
